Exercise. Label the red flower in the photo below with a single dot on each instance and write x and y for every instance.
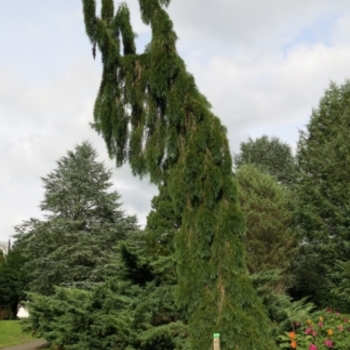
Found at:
(312, 347)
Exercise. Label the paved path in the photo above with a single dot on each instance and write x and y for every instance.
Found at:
(33, 345)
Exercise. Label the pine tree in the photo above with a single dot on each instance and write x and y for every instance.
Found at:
(271, 156)
(323, 192)
(150, 113)
(84, 222)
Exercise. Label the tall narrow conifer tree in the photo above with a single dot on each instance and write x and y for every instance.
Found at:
(323, 192)
(151, 114)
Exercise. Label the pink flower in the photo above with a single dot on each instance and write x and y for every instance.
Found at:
(337, 313)
(312, 347)
(328, 343)
(314, 333)
(307, 330)
(320, 324)
(340, 327)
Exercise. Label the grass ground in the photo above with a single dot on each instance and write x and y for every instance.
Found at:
(11, 334)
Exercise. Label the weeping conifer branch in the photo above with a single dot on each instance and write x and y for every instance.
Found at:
(151, 114)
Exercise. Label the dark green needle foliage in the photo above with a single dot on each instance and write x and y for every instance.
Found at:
(323, 191)
(84, 222)
(271, 243)
(150, 113)
(341, 274)
(133, 310)
(162, 224)
(270, 239)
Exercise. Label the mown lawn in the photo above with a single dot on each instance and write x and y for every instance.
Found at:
(11, 334)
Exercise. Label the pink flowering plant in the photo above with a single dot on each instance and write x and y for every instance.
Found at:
(327, 330)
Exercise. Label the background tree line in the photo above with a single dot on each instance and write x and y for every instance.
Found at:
(94, 277)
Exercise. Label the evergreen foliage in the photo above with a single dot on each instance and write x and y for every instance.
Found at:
(75, 244)
(132, 306)
(270, 155)
(283, 311)
(150, 113)
(271, 244)
(13, 281)
(270, 239)
(341, 275)
(323, 191)
(162, 224)
(133, 310)
(80, 319)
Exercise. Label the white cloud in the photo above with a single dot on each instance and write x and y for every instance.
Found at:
(274, 91)
(39, 124)
(255, 25)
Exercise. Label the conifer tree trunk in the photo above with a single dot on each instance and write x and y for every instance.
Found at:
(150, 113)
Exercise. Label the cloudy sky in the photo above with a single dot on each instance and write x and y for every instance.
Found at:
(262, 64)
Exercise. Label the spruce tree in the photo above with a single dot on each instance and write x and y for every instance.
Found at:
(150, 112)
(73, 246)
(323, 192)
